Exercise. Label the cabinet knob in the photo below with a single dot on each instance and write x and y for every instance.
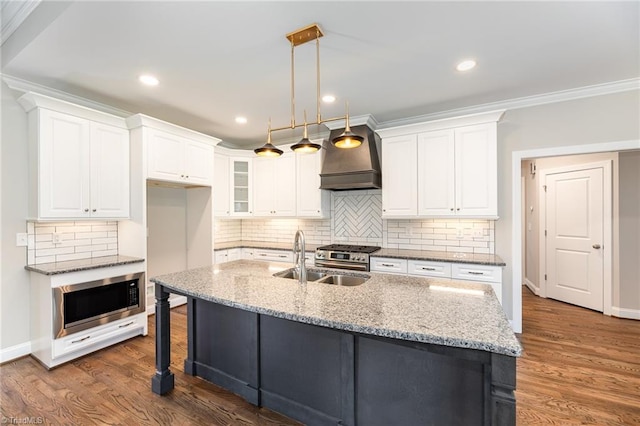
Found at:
(187, 176)
(94, 210)
(451, 208)
(458, 209)
(86, 210)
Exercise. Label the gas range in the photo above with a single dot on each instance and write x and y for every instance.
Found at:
(344, 256)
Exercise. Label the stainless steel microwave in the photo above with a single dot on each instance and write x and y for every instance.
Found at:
(78, 307)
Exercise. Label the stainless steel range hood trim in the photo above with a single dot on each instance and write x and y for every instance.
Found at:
(355, 168)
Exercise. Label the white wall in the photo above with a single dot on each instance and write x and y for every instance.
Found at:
(629, 222)
(14, 280)
(599, 119)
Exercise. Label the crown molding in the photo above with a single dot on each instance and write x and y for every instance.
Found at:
(524, 102)
(31, 100)
(14, 14)
(26, 86)
(444, 123)
(141, 120)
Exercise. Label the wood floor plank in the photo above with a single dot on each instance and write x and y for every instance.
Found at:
(579, 367)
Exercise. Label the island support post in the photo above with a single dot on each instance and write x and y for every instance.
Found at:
(163, 381)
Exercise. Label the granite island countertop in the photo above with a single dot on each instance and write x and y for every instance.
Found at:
(442, 312)
(55, 268)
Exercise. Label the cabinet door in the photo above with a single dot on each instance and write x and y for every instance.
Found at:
(165, 156)
(198, 167)
(400, 176)
(240, 189)
(221, 185)
(109, 171)
(264, 184)
(436, 173)
(311, 201)
(284, 185)
(476, 170)
(64, 155)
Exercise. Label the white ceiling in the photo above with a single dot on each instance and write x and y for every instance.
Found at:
(393, 60)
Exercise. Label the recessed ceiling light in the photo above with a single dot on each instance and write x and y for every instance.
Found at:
(466, 65)
(148, 79)
(241, 120)
(328, 99)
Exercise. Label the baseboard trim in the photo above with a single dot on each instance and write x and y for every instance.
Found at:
(625, 313)
(13, 352)
(177, 301)
(531, 286)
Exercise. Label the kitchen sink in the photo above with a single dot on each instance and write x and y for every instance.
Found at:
(329, 277)
(293, 274)
(345, 280)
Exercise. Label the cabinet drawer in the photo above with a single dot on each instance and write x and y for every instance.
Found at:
(429, 269)
(388, 265)
(273, 255)
(483, 273)
(124, 328)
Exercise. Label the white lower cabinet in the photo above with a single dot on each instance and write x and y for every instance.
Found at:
(388, 265)
(228, 255)
(425, 268)
(103, 335)
(247, 253)
(484, 274)
(273, 255)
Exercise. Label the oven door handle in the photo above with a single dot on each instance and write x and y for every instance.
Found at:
(342, 265)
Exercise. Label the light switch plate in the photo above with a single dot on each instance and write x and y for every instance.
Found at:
(57, 238)
(21, 239)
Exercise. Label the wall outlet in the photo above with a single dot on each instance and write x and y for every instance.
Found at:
(459, 233)
(57, 238)
(21, 239)
(478, 233)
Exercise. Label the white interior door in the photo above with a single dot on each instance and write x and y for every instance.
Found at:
(574, 244)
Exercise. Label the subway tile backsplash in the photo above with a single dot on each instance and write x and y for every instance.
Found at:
(356, 219)
(61, 241)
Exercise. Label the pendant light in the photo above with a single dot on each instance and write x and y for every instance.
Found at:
(268, 149)
(347, 139)
(305, 145)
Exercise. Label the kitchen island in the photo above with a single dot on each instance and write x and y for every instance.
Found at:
(394, 350)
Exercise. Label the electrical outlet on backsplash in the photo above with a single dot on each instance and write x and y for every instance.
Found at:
(61, 241)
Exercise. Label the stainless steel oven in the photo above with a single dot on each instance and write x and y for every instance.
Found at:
(344, 256)
(78, 307)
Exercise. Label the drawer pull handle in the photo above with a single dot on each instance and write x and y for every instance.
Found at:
(262, 254)
(282, 255)
(428, 269)
(80, 340)
(476, 273)
(126, 325)
(389, 265)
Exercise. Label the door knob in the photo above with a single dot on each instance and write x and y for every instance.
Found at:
(596, 246)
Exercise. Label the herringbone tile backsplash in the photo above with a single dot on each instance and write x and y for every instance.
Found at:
(356, 218)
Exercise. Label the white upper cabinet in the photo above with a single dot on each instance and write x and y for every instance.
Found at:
(177, 159)
(311, 201)
(172, 153)
(436, 173)
(274, 186)
(221, 185)
(79, 161)
(476, 177)
(241, 190)
(399, 176)
(442, 168)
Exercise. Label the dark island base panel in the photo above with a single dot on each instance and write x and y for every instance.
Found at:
(321, 376)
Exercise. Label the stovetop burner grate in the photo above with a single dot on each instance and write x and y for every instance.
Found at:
(350, 248)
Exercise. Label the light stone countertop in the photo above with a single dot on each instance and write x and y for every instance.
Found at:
(55, 268)
(401, 307)
(262, 245)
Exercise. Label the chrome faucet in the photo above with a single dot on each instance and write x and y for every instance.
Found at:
(299, 257)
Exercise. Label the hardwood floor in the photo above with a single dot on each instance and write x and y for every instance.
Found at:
(579, 368)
